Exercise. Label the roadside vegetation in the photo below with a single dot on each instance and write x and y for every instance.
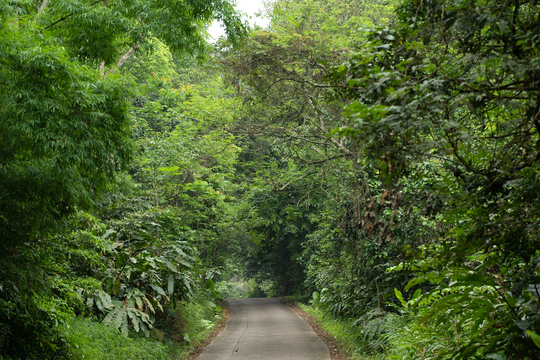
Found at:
(376, 159)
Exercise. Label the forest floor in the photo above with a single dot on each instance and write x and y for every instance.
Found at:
(336, 348)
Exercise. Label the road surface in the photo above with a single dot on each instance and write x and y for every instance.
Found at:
(265, 329)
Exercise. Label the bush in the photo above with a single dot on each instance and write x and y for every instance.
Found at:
(94, 341)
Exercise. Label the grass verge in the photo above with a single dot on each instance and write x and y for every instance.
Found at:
(208, 336)
(196, 325)
(94, 341)
(341, 336)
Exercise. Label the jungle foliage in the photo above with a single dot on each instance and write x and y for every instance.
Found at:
(84, 232)
(405, 180)
(375, 158)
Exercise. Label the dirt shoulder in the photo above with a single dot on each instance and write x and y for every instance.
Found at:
(333, 344)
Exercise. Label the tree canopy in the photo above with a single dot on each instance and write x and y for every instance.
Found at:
(375, 158)
(66, 133)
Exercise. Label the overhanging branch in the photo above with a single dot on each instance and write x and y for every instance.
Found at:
(68, 16)
(125, 57)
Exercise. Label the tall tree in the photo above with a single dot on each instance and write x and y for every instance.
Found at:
(446, 106)
(65, 129)
(308, 174)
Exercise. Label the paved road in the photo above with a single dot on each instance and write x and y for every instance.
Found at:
(265, 329)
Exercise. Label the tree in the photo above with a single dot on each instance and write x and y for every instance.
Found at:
(65, 131)
(313, 181)
(449, 99)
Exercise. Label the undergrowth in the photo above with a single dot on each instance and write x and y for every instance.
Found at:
(194, 322)
(197, 320)
(94, 341)
(361, 339)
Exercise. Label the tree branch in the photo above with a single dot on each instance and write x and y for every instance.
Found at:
(40, 9)
(290, 182)
(67, 16)
(125, 57)
(323, 160)
(322, 126)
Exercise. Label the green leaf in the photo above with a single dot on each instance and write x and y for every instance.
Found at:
(139, 301)
(188, 285)
(116, 287)
(185, 263)
(415, 282)
(117, 320)
(472, 279)
(144, 328)
(149, 304)
(109, 285)
(124, 327)
(209, 285)
(292, 21)
(107, 233)
(104, 301)
(523, 324)
(158, 289)
(400, 297)
(170, 265)
(110, 316)
(132, 313)
(496, 356)
(535, 337)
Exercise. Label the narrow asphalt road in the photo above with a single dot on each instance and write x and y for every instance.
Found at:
(265, 329)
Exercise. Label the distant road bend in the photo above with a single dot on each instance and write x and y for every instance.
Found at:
(265, 329)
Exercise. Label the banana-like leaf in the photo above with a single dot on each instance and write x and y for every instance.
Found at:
(105, 301)
(124, 326)
(132, 313)
(400, 297)
(116, 322)
(149, 304)
(139, 301)
(170, 265)
(185, 263)
(145, 330)
(188, 285)
(110, 316)
(158, 289)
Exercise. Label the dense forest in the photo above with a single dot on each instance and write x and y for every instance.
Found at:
(377, 159)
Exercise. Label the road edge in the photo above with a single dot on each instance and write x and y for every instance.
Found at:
(336, 352)
(225, 313)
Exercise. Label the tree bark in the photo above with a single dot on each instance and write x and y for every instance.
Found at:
(44, 4)
(125, 57)
(102, 69)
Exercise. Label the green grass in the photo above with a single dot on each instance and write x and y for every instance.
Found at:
(90, 340)
(351, 337)
(199, 319)
(94, 341)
